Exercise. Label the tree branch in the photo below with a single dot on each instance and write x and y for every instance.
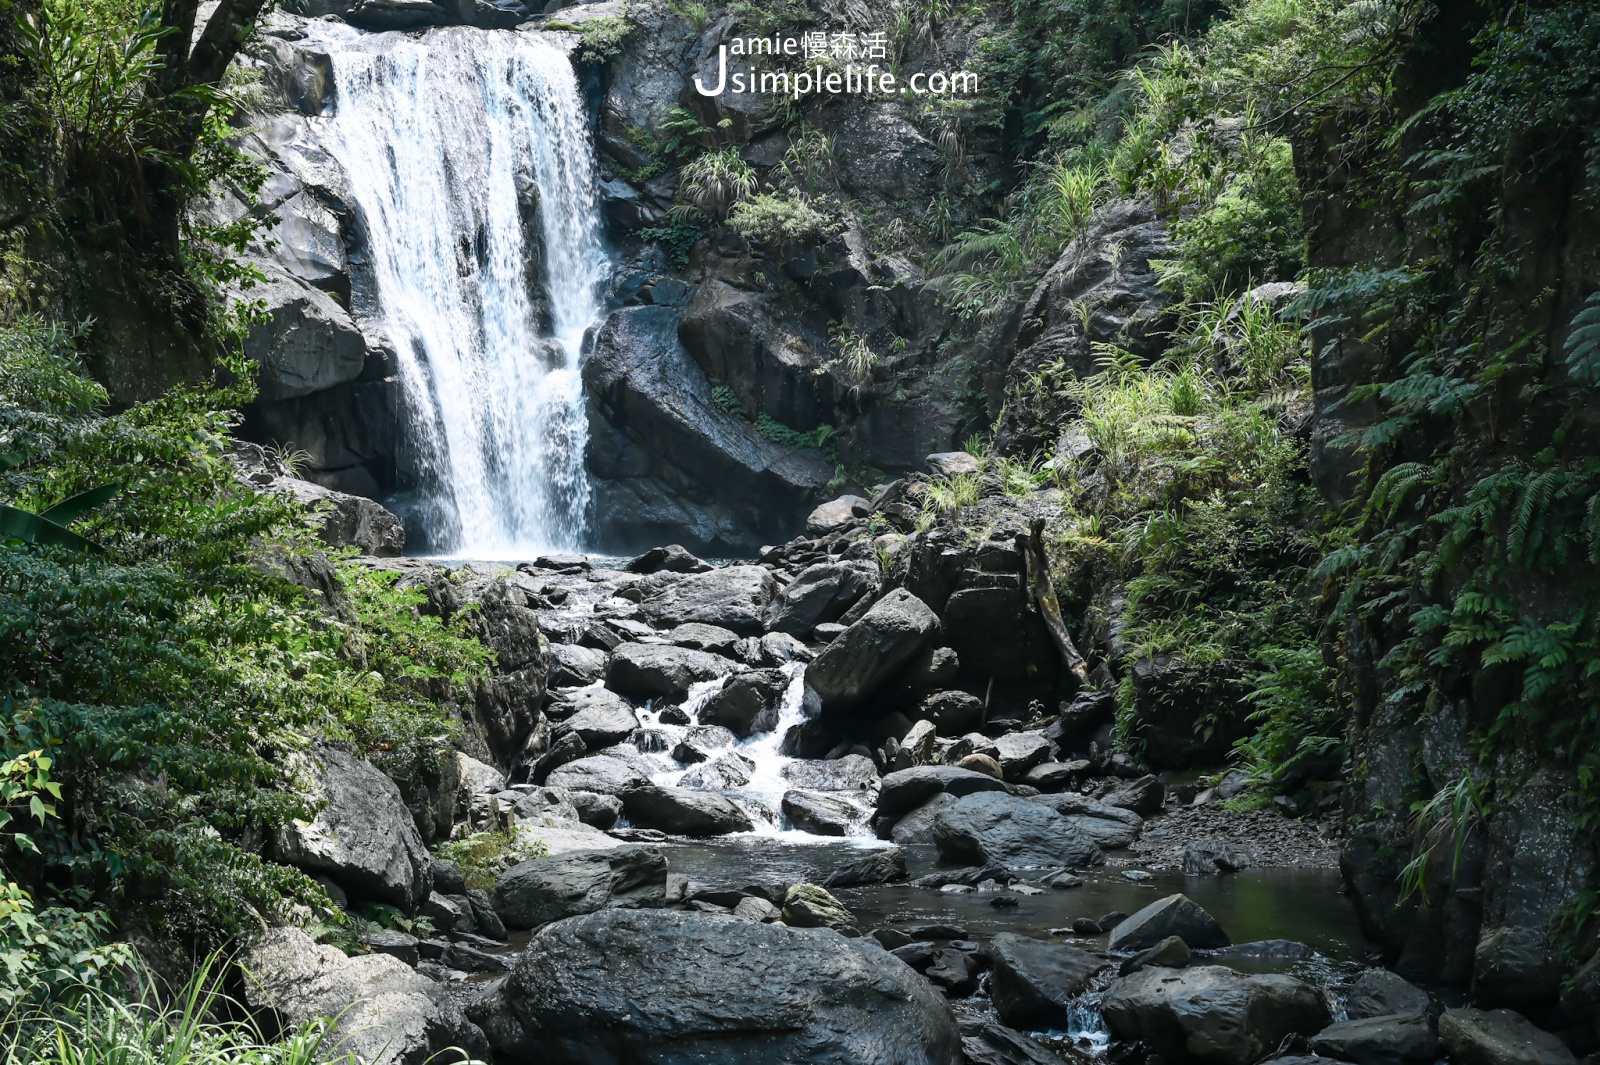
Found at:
(224, 35)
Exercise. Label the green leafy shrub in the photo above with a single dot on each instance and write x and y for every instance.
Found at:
(784, 220)
(483, 856)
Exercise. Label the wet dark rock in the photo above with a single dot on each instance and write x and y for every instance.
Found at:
(820, 813)
(572, 666)
(995, 1044)
(884, 866)
(1012, 831)
(661, 671)
(384, 1012)
(953, 970)
(620, 986)
(1379, 992)
(363, 837)
(747, 703)
(953, 713)
(470, 959)
(394, 943)
(1398, 1039)
(681, 811)
(916, 827)
(1499, 1037)
(734, 598)
(448, 914)
(1280, 949)
(1034, 982)
(853, 773)
(600, 718)
(702, 742)
(542, 890)
(1204, 860)
(1172, 952)
(702, 637)
(602, 773)
(869, 652)
(597, 810)
(730, 769)
(566, 748)
(1056, 776)
(835, 514)
(1020, 752)
(673, 558)
(1175, 915)
(1211, 1015)
(907, 789)
(820, 594)
(810, 906)
(1109, 826)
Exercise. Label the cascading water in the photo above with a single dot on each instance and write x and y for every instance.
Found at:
(470, 162)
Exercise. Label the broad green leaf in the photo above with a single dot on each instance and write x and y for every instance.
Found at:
(21, 525)
(72, 508)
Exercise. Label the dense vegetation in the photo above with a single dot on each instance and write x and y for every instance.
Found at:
(163, 649)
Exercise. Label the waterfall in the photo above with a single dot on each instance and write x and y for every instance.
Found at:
(470, 163)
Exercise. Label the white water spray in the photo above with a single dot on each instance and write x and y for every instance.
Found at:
(470, 161)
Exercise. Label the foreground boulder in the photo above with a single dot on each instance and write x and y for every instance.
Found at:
(629, 986)
(386, 1013)
(1034, 982)
(363, 838)
(868, 653)
(819, 813)
(1402, 1039)
(1210, 1015)
(542, 890)
(996, 827)
(600, 719)
(810, 906)
(1175, 915)
(602, 774)
(1499, 1037)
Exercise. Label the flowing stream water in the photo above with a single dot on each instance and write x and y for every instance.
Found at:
(470, 163)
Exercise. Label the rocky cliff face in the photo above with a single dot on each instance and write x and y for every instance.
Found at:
(1502, 900)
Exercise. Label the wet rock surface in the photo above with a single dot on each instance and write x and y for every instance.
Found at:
(622, 986)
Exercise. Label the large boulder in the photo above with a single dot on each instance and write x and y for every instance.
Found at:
(1379, 993)
(662, 671)
(1396, 1039)
(685, 812)
(869, 652)
(995, 827)
(1109, 826)
(884, 866)
(345, 520)
(1175, 915)
(572, 666)
(1211, 1015)
(821, 814)
(730, 769)
(747, 703)
(853, 773)
(906, 789)
(915, 829)
(601, 718)
(702, 743)
(384, 1012)
(363, 837)
(734, 598)
(601, 773)
(810, 906)
(836, 513)
(1499, 1037)
(627, 986)
(541, 890)
(397, 14)
(306, 342)
(819, 594)
(1034, 982)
